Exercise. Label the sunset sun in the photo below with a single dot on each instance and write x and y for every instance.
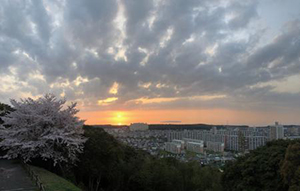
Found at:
(119, 118)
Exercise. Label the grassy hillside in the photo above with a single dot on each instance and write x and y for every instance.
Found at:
(52, 182)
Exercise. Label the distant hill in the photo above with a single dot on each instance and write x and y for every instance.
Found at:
(107, 126)
(190, 126)
(179, 126)
(176, 126)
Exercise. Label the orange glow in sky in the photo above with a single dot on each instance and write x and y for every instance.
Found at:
(208, 116)
(107, 117)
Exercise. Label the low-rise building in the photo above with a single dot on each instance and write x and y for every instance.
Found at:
(181, 142)
(215, 146)
(173, 147)
(194, 147)
(186, 140)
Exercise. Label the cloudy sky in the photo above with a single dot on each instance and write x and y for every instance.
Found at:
(123, 61)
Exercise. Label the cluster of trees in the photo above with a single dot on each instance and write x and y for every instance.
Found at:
(109, 165)
(273, 167)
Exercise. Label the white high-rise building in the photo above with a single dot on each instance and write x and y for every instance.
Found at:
(276, 132)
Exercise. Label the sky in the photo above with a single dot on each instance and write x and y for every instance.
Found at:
(156, 61)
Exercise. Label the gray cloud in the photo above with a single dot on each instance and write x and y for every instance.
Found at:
(151, 49)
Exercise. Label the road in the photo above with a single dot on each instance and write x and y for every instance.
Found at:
(13, 177)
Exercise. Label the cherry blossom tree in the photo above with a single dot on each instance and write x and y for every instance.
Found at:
(43, 128)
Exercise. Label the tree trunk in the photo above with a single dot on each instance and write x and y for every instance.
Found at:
(62, 170)
(98, 183)
(91, 185)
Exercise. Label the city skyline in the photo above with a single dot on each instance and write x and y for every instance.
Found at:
(161, 61)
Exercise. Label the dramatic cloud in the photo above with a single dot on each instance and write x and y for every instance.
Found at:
(161, 54)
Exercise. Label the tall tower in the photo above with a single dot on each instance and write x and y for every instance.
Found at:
(279, 130)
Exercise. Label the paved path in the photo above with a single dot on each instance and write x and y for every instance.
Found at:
(13, 177)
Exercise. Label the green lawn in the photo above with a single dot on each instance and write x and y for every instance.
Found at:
(52, 182)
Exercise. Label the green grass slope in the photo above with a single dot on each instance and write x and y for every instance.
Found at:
(52, 182)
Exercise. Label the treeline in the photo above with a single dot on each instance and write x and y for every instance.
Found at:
(273, 167)
(107, 164)
(190, 126)
(179, 126)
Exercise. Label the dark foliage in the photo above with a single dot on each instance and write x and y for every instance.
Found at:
(4, 109)
(290, 169)
(107, 164)
(258, 170)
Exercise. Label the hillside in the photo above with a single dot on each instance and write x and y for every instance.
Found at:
(274, 167)
(52, 182)
(110, 165)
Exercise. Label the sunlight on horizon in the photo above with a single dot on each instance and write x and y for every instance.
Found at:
(205, 116)
(119, 118)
